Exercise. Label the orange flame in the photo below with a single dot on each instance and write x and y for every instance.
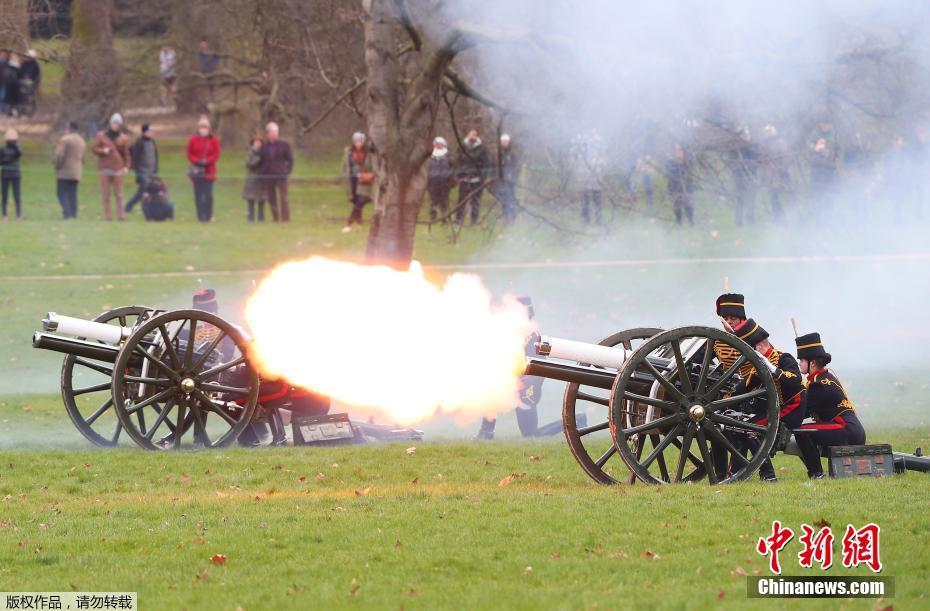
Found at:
(376, 338)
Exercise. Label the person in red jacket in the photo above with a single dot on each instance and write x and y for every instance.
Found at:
(203, 151)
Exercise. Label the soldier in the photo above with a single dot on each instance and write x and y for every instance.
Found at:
(530, 394)
(787, 375)
(835, 422)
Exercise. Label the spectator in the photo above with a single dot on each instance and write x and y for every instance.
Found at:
(155, 203)
(144, 153)
(680, 183)
(69, 164)
(203, 151)
(208, 59)
(277, 163)
(472, 173)
(254, 190)
(357, 167)
(588, 156)
(30, 77)
(113, 161)
(9, 172)
(13, 98)
(440, 176)
(505, 187)
(168, 70)
(776, 169)
(742, 161)
(823, 176)
(4, 75)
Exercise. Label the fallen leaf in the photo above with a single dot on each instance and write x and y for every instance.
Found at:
(721, 594)
(505, 481)
(528, 570)
(320, 476)
(411, 450)
(821, 523)
(439, 476)
(302, 478)
(555, 555)
(335, 465)
(648, 553)
(534, 458)
(180, 546)
(398, 543)
(415, 481)
(363, 491)
(203, 576)
(221, 494)
(87, 465)
(739, 571)
(218, 559)
(185, 477)
(355, 586)
(198, 541)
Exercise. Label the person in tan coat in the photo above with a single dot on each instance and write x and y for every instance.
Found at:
(69, 165)
(113, 161)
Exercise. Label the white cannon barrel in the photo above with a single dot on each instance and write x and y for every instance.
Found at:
(78, 327)
(581, 352)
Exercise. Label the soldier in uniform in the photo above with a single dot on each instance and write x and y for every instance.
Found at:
(530, 394)
(835, 422)
(788, 383)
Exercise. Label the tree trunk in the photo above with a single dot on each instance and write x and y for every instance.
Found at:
(14, 26)
(90, 89)
(401, 119)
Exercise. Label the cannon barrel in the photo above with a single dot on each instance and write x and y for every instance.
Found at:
(580, 374)
(581, 352)
(79, 327)
(75, 347)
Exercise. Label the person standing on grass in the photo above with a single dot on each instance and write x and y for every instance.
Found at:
(473, 169)
(144, 153)
(203, 151)
(440, 176)
(9, 171)
(113, 161)
(254, 190)
(277, 163)
(69, 165)
(168, 70)
(505, 185)
(357, 168)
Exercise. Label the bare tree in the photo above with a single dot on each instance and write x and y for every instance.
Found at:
(89, 91)
(14, 25)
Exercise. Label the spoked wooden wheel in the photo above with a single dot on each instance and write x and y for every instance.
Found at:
(694, 410)
(184, 372)
(86, 386)
(590, 444)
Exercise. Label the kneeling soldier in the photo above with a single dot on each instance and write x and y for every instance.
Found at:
(835, 422)
(786, 372)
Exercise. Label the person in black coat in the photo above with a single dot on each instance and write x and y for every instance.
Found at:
(472, 172)
(10, 175)
(440, 175)
(680, 185)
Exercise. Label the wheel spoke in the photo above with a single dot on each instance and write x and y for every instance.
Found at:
(106, 405)
(167, 370)
(660, 447)
(705, 366)
(736, 423)
(723, 379)
(734, 400)
(593, 428)
(210, 373)
(685, 448)
(169, 348)
(592, 398)
(708, 459)
(666, 405)
(691, 455)
(682, 372)
(658, 422)
(722, 440)
(605, 456)
(116, 432)
(191, 344)
(179, 427)
(150, 400)
(107, 371)
(209, 350)
(668, 386)
(94, 388)
(162, 414)
(221, 388)
(200, 427)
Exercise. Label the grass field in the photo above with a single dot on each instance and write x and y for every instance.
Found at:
(378, 527)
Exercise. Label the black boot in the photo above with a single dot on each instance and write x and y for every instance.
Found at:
(486, 432)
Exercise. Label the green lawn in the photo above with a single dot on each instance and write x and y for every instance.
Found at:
(74, 517)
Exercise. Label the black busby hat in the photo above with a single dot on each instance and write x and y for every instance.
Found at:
(529, 305)
(810, 347)
(731, 304)
(752, 332)
(205, 299)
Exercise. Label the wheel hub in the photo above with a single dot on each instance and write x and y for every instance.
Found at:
(188, 385)
(696, 412)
